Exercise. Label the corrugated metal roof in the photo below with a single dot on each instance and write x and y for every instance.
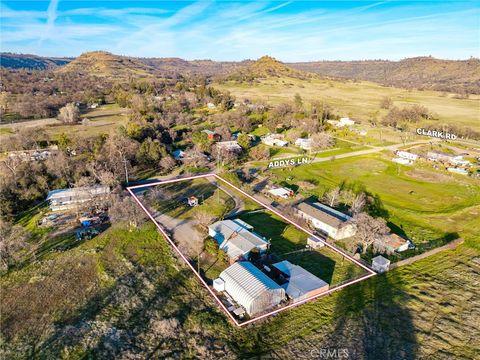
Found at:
(300, 280)
(78, 192)
(245, 283)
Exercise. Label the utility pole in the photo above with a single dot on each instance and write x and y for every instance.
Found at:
(218, 168)
(198, 261)
(124, 160)
(126, 169)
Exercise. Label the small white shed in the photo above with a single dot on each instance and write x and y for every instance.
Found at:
(219, 285)
(380, 264)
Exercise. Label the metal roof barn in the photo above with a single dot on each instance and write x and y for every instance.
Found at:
(251, 288)
(301, 283)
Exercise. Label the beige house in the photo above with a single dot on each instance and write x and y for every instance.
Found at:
(327, 220)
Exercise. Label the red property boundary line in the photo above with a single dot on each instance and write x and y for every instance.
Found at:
(370, 272)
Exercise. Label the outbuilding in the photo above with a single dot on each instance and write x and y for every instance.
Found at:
(251, 288)
(284, 193)
(65, 199)
(380, 264)
(301, 284)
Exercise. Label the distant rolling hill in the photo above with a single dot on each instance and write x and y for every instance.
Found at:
(33, 62)
(460, 76)
(420, 72)
(102, 63)
(267, 67)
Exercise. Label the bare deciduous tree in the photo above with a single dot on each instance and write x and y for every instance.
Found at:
(259, 153)
(358, 203)
(332, 196)
(167, 163)
(13, 242)
(321, 141)
(69, 114)
(204, 218)
(369, 229)
(126, 210)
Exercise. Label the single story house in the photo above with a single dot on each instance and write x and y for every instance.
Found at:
(274, 140)
(393, 242)
(406, 155)
(251, 288)
(212, 135)
(329, 221)
(458, 170)
(342, 122)
(304, 143)
(300, 284)
(282, 192)
(65, 199)
(229, 145)
(237, 238)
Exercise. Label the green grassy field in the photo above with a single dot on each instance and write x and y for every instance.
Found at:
(422, 204)
(358, 99)
(101, 120)
(211, 199)
(129, 283)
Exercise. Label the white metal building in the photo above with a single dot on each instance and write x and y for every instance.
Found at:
(251, 288)
(64, 199)
(284, 193)
(301, 284)
(402, 161)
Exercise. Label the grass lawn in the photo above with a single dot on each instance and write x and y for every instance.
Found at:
(327, 265)
(212, 200)
(284, 237)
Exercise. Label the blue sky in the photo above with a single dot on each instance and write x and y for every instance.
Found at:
(236, 30)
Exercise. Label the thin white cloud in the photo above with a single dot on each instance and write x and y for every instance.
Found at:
(234, 31)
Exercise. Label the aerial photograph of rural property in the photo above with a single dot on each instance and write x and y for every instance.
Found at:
(240, 179)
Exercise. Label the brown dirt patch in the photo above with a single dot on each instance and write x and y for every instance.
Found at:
(428, 176)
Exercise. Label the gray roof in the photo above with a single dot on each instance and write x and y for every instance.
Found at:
(380, 260)
(324, 214)
(300, 280)
(235, 237)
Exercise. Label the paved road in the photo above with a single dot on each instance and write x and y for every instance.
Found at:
(370, 151)
(374, 150)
